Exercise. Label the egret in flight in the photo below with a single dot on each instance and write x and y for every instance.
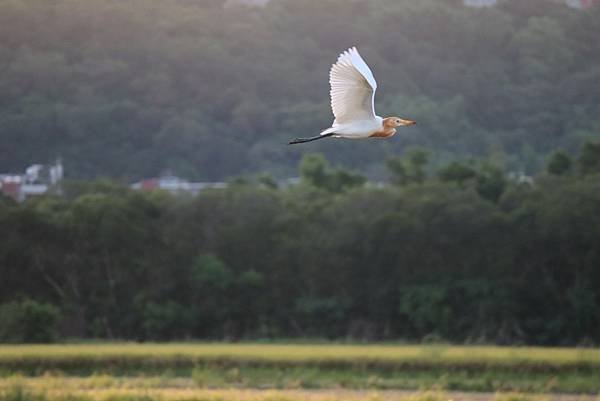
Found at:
(353, 102)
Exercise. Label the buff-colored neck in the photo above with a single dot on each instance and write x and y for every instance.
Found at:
(388, 129)
(389, 122)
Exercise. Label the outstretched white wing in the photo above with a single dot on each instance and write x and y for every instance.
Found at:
(352, 88)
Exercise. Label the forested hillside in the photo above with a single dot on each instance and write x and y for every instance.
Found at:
(464, 254)
(132, 88)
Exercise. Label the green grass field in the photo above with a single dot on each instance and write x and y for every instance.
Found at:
(324, 366)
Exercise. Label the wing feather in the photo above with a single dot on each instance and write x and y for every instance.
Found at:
(353, 88)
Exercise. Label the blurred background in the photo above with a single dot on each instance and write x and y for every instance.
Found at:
(210, 89)
(149, 194)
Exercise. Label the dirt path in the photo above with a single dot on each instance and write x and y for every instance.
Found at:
(180, 389)
(179, 394)
(392, 395)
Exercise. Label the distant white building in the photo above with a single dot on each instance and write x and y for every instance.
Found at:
(176, 185)
(37, 180)
(521, 178)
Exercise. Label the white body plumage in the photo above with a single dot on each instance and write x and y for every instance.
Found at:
(356, 129)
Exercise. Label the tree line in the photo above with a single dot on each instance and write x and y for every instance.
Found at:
(132, 88)
(464, 253)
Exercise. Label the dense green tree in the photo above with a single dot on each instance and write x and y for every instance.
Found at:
(427, 308)
(559, 163)
(410, 168)
(589, 160)
(315, 170)
(491, 182)
(28, 322)
(457, 172)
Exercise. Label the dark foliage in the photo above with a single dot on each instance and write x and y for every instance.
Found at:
(28, 322)
(133, 88)
(473, 256)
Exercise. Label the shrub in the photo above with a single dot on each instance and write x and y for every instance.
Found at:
(28, 322)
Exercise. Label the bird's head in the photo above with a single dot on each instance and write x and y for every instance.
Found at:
(393, 122)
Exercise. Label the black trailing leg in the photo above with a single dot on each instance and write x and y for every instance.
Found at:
(313, 138)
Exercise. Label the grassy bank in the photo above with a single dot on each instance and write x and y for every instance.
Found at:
(323, 355)
(312, 366)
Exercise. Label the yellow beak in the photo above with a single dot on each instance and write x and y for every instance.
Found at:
(407, 122)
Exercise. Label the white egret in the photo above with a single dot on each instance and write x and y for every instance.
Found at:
(353, 103)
